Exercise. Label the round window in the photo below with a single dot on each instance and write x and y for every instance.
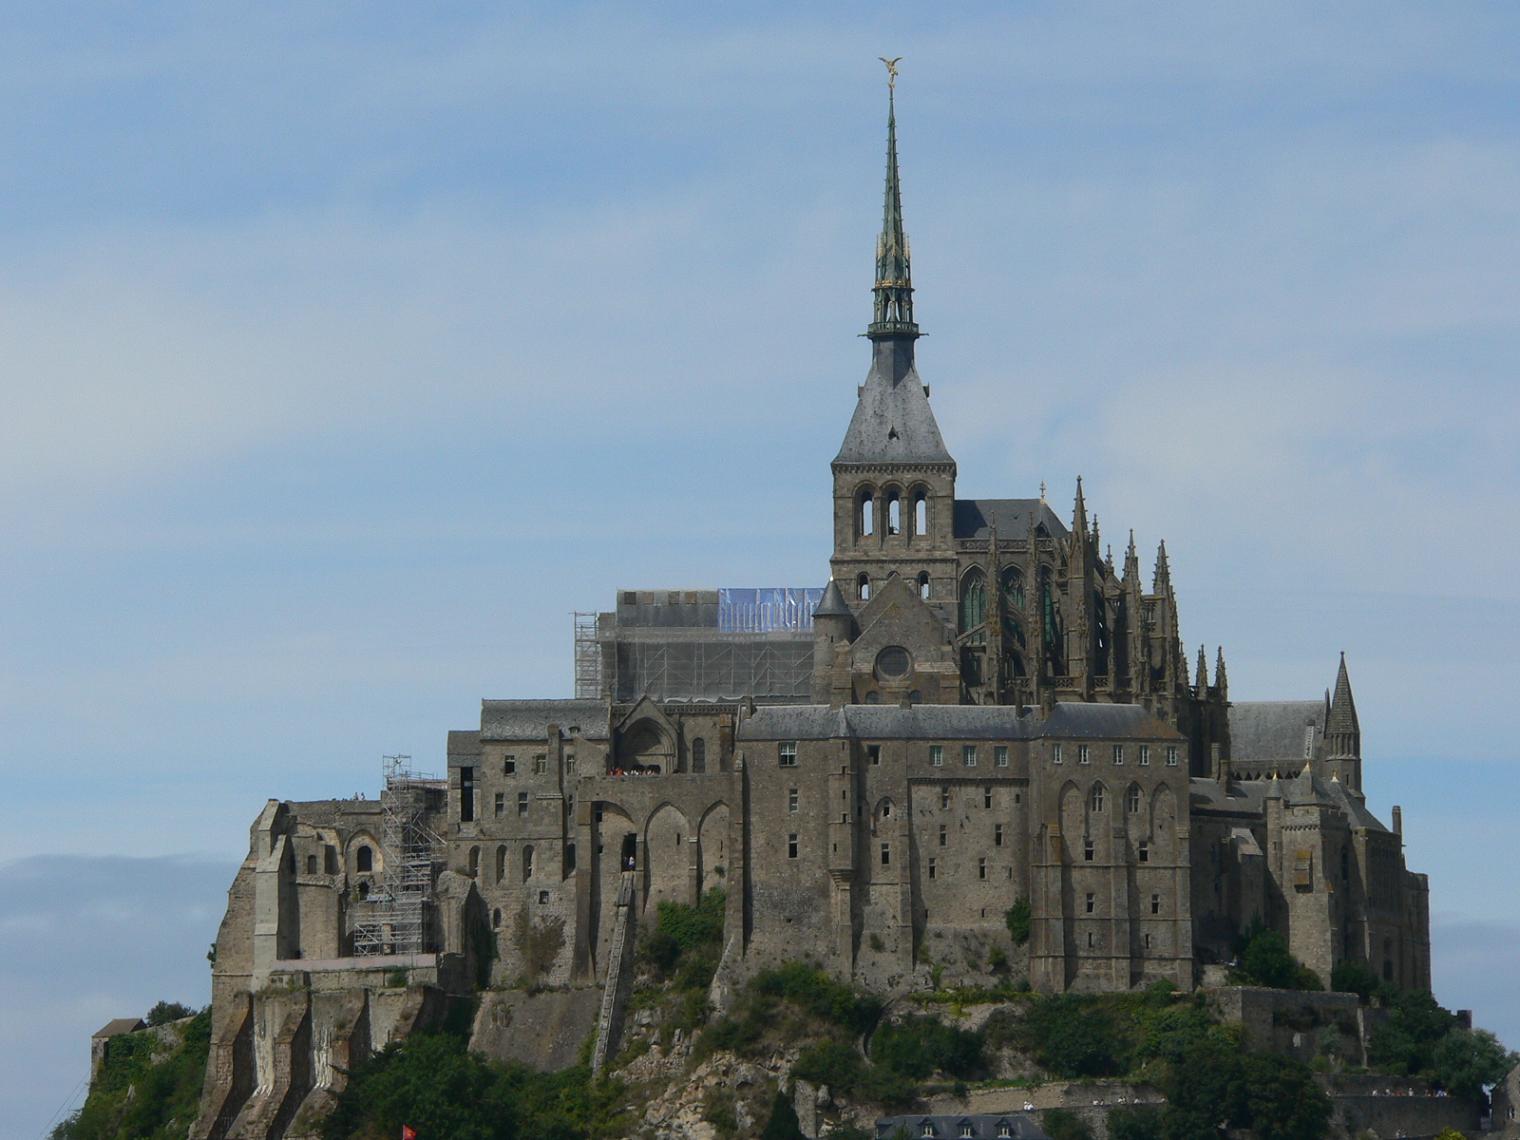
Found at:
(893, 662)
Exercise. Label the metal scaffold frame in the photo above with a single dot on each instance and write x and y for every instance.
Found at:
(398, 920)
(588, 658)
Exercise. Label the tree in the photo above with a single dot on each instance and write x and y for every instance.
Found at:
(1465, 1061)
(1134, 1123)
(1283, 1100)
(167, 1011)
(1062, 1125)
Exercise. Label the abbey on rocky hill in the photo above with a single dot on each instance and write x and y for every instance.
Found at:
(981, 711)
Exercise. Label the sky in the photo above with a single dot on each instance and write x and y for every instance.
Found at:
(345, 350)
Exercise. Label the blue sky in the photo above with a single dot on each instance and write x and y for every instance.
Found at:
(347, 349)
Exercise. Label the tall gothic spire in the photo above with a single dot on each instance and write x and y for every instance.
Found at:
(893, 315)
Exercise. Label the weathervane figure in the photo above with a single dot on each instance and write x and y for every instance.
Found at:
(891, 70)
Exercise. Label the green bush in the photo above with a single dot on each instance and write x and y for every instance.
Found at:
(166, 1011)
(1073, 1037)
(1354, 976)
(1134, 1122)
(1063, 1125)
(813, 990)
(918, 1047)
(1266, 961)
(1017, 918)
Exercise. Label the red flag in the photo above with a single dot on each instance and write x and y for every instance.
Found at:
(408, 1132)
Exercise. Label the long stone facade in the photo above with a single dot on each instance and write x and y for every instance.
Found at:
(983, 713)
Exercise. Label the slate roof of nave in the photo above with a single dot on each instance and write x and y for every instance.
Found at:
(975, 518)
(1274, 730)
(950, 722)
(527, 720)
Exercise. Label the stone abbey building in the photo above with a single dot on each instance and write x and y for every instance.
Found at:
(980, 708)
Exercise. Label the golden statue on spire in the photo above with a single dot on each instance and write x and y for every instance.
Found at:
(891, 70)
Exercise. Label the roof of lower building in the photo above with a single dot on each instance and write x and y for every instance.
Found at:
(530, 720)
(954, 722)
(119, 1025)
(976, 518)
(1275, 730)
(979, 1126)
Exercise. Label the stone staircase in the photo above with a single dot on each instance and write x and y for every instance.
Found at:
(614, 990)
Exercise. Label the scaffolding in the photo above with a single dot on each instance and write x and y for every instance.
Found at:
(400, 909)
(588, 658)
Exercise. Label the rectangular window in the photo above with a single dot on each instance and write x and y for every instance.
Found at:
(981, 867)
(1145, 756)
(1155, 904)
(791, 799)
(791, 846)
(997, 835)
(1092, 940)
(1145, 852)
(1055, 753)
(522, 803)
(1092, 902)
(1087, 851)
(540, 764)
(569, 763)
(466, 794)
(873, 753)
(1171, 756)
(937, 755)
(509, 766)
(944, 798)
(1000, 756)
(1118, 754)
(986, 797)
(570, 806)
(886, 854)
(933, 867)
(1147, 941)
(501, 803)
(968, 755)
(1083, 754)
(786, 753)
(943, 835)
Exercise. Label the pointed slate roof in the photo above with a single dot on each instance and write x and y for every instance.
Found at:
(893, 422)
(1342, 708)
(832, 604)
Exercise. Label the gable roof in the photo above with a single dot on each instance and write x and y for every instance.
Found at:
(1274, 730)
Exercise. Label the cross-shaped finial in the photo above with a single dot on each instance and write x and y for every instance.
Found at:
(1042, 490)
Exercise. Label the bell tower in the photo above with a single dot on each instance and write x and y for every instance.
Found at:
(894, 482)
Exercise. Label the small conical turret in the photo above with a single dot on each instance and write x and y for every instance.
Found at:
(1220, 682)
(1343, 733)
(1203, 673)
(1079, 514)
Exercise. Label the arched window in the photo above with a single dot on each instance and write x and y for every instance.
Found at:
(501, 863)
(311, 864)
(1013, 588)
(699, 755)
(527, 862)
(496, 919)
(973, 600)
(364, 860)
(866, 508)
(894, 512)
(1097, 797)
(569, 858)
(863, 587)
(920, 511)
(474, 861)
(1134, 798)
(923, 584)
